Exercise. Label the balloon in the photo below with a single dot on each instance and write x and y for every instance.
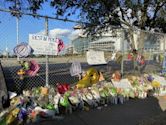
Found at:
(91, 77)
(84, 82)
(22, 50)
(93, 74)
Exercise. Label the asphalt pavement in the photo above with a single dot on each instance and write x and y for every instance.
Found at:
(131, 112)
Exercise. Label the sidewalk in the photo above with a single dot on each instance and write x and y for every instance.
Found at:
(130, 113)
(162, 102)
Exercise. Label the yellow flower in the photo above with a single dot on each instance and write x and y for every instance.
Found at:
(155, 84)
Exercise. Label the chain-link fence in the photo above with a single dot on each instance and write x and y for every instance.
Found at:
(13, 32)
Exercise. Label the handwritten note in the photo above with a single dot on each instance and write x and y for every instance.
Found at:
(95, 57)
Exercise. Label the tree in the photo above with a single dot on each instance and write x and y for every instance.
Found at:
(104, 15)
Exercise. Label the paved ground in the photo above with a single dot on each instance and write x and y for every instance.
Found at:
(162, 102)
(131, 113)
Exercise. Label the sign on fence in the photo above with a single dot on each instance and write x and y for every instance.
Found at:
(95, 57)
(43, 45)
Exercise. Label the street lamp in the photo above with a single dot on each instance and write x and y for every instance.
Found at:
(17, 29)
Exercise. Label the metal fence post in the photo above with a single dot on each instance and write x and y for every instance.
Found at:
(122, 62)
(164, 42)
(46, 33)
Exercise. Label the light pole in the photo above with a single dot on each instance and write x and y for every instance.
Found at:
(17, 29)
(17, 32)
(47, 68)
(17, 24)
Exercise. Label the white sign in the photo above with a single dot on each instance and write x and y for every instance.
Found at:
(43, 45)
(95, 57)
(123, 83)
(75, 68)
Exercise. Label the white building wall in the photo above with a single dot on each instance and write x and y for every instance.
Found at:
(117, 43)
(163, 43)
(119, 39)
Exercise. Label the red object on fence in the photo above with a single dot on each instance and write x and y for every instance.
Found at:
(141, 59)
(130, 57)
(142, 62)
(62, 88)
(60, 44)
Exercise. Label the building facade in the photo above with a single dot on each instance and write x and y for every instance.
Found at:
(106, 42)
(110, 43)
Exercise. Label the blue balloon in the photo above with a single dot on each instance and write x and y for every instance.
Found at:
(150, 78)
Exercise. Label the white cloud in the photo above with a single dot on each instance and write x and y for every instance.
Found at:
(57, 32)
(60, 33)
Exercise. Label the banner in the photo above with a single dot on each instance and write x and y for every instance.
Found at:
(43, 45)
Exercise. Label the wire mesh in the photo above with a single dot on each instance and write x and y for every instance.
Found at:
(154, 46)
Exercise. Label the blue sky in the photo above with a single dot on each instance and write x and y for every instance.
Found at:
(29, 25)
